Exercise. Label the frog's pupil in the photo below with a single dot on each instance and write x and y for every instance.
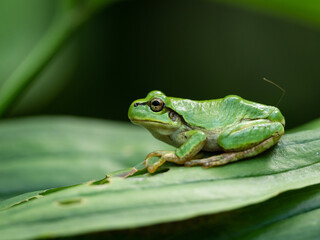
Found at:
(155, 103)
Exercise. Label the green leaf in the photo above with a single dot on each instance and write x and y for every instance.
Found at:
(307, 12)
(46, 49)
(13, 46)
(177, 194)
(45, 152)
(20, 199)
(294, 215)
(291, 215)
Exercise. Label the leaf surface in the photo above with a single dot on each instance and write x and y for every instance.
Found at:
(176, 194)
(46, 152)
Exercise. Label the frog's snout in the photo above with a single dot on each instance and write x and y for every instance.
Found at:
(134, 109)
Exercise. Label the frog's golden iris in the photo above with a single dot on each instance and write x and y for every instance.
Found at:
(156, 104)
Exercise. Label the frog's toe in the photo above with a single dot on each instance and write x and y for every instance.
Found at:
(154, 154)
(151, 169)
(150, 155)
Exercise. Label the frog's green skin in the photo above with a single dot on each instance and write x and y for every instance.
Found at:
(238, 127)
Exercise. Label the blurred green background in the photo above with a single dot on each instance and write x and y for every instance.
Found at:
(191, 49)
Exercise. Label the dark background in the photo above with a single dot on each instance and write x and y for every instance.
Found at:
(190, 49)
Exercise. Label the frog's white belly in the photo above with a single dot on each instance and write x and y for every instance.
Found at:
(179, 138)
(212, 142)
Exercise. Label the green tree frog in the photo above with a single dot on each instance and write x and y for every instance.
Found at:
(235, 127)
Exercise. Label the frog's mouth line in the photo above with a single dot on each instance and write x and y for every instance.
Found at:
(148, 121)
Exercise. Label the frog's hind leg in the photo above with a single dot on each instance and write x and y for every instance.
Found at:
(229, 157)
(243, 141)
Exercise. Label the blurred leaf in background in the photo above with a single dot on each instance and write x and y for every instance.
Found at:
(23, 24)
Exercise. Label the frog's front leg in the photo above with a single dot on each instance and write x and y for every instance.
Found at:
(196, 139)
(246, 139)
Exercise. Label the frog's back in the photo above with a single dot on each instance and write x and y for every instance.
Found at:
(218, 113)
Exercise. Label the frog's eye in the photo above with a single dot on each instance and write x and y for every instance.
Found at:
(156, 104)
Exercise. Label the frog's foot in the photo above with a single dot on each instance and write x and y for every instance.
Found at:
(164, 156)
